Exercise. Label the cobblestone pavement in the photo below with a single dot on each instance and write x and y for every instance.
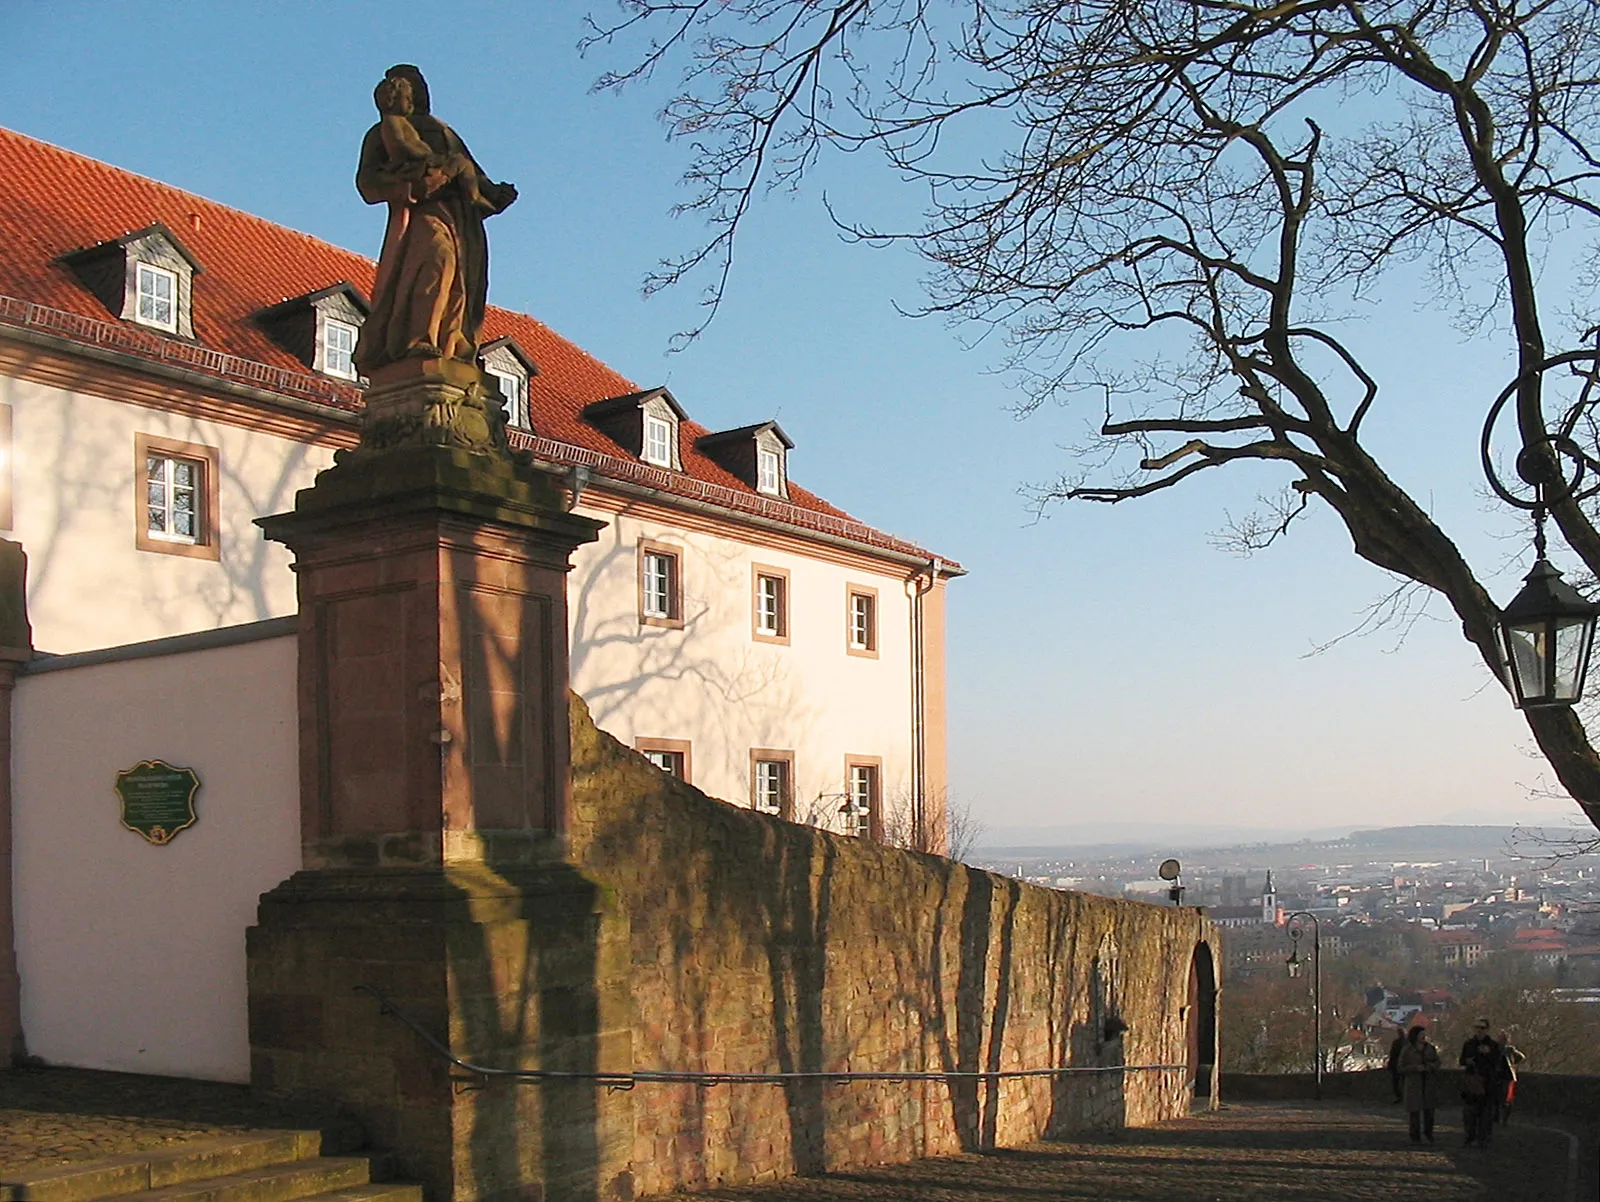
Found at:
(1283, 1152)
(57, 1115)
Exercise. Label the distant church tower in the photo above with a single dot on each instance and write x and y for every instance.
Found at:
(1269, 901)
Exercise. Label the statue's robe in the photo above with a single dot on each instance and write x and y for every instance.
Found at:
(433, 273)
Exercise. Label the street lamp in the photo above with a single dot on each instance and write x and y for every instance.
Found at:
(1547, 632)
(1172, 872)
(1296, 924)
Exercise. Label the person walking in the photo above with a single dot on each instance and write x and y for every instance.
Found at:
(1395, 1048)
(1419, 1068)
(1483, 1084)
(1513, 1057)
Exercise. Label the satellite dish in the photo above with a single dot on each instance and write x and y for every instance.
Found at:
(1169, 870)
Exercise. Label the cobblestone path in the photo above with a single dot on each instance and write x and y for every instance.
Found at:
(1282, 1152)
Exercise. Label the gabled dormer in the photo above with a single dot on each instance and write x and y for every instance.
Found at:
(146, 277)
(512, 367)
(319, 328)
(643, 423)
(758, 455)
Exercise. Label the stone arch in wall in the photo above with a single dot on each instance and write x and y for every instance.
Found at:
(1202, 1021)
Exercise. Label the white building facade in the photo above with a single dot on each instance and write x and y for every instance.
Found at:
(171, 370)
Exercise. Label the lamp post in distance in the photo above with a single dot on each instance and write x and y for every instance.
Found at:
(1172, 872)
(1296, 926)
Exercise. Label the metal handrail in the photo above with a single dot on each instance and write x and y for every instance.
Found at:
(387, 1005)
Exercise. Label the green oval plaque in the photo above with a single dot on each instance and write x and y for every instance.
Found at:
(157, 799)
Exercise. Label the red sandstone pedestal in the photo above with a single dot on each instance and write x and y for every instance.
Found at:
(434, 797)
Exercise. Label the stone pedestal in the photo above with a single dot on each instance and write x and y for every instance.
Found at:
(433, 641)
(518, 968)
(435, 789)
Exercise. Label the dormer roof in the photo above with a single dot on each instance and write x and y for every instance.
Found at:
(745, 434)
(510, 346)
(310, 300)
(611, 407)
(122, 241)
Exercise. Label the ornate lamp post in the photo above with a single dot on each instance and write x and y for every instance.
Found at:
(1296, 925)
(1547, 631)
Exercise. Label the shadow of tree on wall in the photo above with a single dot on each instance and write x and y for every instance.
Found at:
(80, 515)
(760, 944)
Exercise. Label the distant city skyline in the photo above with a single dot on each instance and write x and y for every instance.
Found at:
(1107, 666)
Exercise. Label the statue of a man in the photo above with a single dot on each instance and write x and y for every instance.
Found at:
(433, 273)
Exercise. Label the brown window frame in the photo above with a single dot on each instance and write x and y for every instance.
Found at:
(774, 755)
(208, 540)
(678, 747)
(875, 804)
(781, 575)
(851, 592)
(674, 618)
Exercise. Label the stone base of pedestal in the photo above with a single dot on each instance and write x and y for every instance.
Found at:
(511, 968)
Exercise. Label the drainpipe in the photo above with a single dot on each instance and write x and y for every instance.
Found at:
(16, 648)
(921, 585)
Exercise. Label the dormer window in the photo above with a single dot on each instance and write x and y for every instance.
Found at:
(320, 328)
(757, 455)
(511, 368)
(657, 441)
(769, 471)
(158, 297)
(516, 395)
(642, 423)
(146, 277)
(339, 348)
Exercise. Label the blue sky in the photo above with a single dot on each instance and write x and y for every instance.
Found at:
(1107, 666)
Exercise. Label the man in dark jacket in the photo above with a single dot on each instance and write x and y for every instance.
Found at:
(1483, 1084)
(1395, 1048)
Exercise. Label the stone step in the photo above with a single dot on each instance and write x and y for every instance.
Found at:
(192, 1160)
(274, 1183)
(371, 1192)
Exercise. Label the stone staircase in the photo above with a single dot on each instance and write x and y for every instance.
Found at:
(259, 1166)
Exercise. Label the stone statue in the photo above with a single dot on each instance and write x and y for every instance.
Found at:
(433, 272)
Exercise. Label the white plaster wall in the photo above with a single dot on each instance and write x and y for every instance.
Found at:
(89, 586)
(715, 685)
(132, 956)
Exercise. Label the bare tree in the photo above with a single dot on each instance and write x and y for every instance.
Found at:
(1187, 174)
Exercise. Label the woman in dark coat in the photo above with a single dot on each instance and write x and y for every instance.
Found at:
(1419, 1069)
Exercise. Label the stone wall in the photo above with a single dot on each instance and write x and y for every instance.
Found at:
(759, 944)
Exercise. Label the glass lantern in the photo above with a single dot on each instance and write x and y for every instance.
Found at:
(1546, 634)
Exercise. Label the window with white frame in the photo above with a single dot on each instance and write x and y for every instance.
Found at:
(771, 785)
(660, 586)
(158, 296)
(339, 348)
(175, 490)
(657, 440)
(769, 471)
(772, 608)
(862, 622)
(863, 798)
(515, 391)
(670, 762)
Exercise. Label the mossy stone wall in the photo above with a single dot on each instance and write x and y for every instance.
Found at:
(759, 944)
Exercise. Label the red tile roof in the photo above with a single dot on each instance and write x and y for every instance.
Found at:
(53, 201)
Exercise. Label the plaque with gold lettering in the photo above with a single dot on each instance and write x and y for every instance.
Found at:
(157, 799)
